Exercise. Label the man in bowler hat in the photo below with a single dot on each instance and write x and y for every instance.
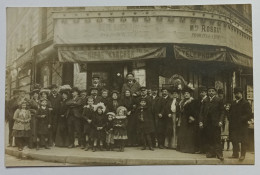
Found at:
(240, 116)
(211, 121)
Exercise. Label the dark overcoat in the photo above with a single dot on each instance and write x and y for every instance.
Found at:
(161, 108)
(42, 123)
(145, 122)
(212, 112)
(74, 107)
(240, 114)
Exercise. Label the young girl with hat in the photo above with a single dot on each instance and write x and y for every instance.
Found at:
(110, 131)
(21, 128)
(120, 124)
(98, 123)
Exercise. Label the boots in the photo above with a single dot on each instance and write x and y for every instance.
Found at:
(101, 147)
(94, 149)
(37, 145)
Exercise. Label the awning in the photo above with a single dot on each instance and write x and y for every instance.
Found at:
(30, 54)
(239, 59)
(46, 53)
(211, 53)
(109, 53)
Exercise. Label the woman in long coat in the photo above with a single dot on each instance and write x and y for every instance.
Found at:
(187, 122)
(62, 125)
(34, 105)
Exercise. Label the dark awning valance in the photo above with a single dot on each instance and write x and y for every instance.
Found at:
(109, 53)
(211, 53)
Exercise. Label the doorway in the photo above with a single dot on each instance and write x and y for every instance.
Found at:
(111, 74)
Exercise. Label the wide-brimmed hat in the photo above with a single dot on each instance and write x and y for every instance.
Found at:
(238, 90)
(111, 113)
(100, 105)
(188, 88)
(115, 91)
(121, 108)
(35, 91)
(65, 89)
(44, 90)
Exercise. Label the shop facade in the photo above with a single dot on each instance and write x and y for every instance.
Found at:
(162, 48)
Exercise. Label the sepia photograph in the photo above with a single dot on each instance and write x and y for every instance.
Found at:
(129, 85)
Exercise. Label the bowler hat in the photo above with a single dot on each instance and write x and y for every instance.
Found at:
(65, 91)
(16, 91)
(95, 76)
(202, 89)
(238, 90)
(165, 88)
(143, 88)
(75, 89)
(83, 91)
(154, 88)
(220, 91)
(130, 73)
(174, 89)
(53, 86)
(93, 88)
(43, 99)
(212, 87)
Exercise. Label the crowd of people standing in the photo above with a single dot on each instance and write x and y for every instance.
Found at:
(100, 119)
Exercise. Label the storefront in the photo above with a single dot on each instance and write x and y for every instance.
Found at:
(162, 47)
(22, 72)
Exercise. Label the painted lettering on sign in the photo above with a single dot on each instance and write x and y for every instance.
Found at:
(205, 28)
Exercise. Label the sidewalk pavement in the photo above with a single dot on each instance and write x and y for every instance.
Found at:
(131, 156)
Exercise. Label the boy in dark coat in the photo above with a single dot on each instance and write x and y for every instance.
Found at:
(240, 116)
(145, 124)
(88, 114)
(44, 124)
(75, 117)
